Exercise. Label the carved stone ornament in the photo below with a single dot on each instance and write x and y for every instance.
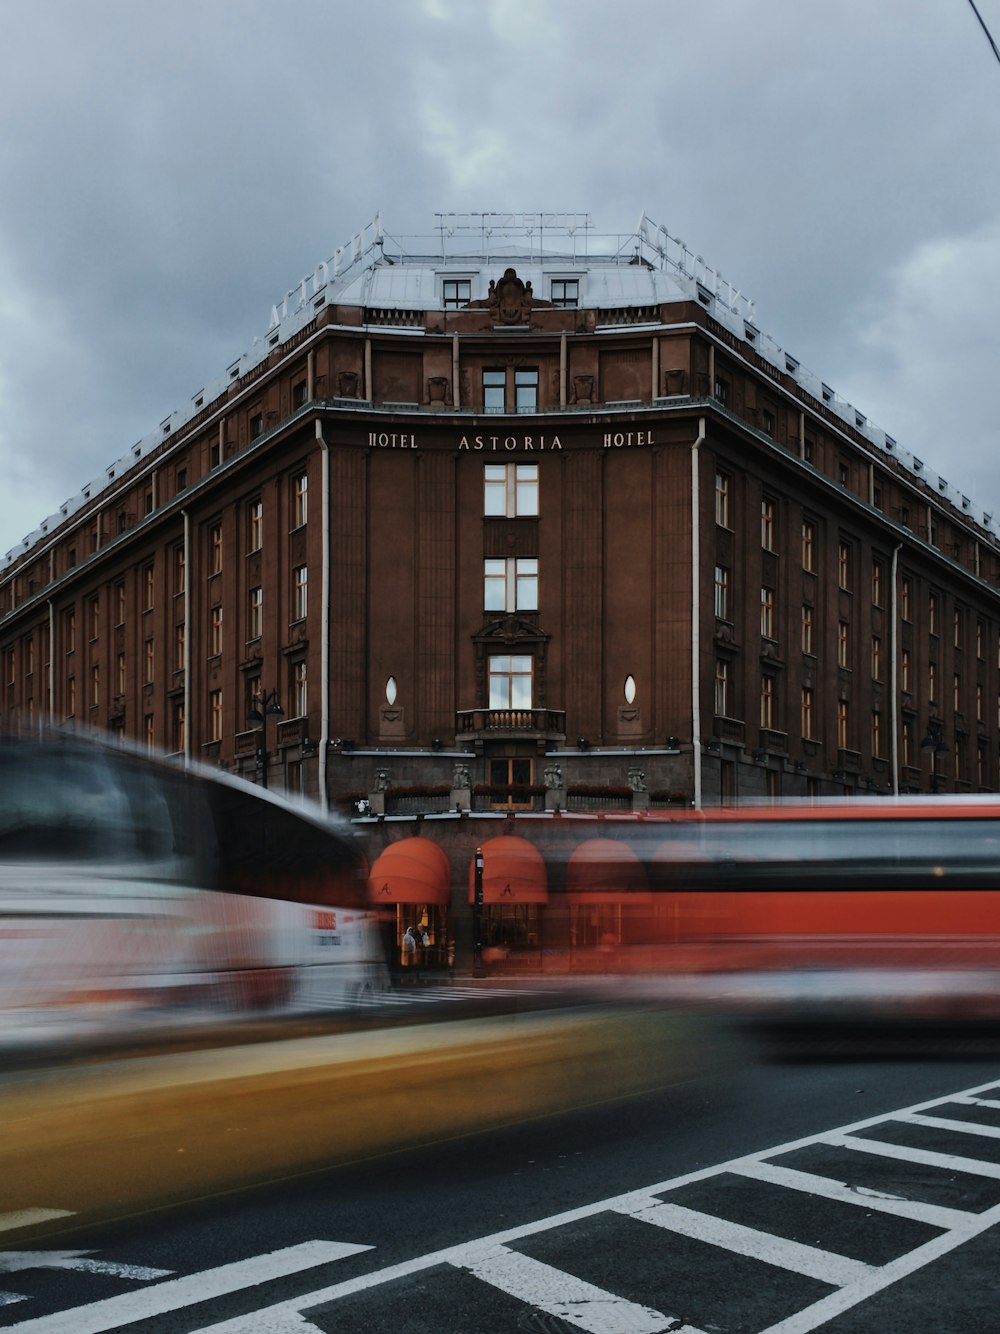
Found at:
(382, 780)
(553, 777)
(637, 780)
(460, 780)
(510, 301)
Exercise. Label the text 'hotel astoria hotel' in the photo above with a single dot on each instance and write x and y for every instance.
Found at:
(519, 517)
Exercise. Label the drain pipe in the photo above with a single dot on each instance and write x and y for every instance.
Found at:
(696, 616)
(324, 648)
(893, 668)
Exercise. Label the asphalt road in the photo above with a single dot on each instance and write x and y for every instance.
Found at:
(860, 1192)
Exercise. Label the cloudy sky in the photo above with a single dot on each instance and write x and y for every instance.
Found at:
(167, 172)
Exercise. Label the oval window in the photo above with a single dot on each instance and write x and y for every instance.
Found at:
(390, 690)
(630, 689)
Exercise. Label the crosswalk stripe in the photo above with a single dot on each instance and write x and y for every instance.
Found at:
(947, 1123)
(935, 1215)
(826, 1266)
(883, 1149)
(568, 1298)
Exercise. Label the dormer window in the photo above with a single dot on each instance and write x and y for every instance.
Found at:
(456, 292)
(565, 292)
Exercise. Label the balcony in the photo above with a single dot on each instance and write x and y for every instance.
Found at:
(775, 743)
(545, 724)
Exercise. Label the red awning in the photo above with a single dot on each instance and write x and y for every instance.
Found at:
(513, 872)
(603, 870)
(414, 870)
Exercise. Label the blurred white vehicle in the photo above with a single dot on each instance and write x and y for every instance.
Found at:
(134, 891)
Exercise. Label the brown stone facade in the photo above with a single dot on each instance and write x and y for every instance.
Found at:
(518, 556)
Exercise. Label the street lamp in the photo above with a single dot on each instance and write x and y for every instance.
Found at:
(934, 742)
(267, 707)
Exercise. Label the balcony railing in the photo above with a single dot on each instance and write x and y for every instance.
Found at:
(471, 722)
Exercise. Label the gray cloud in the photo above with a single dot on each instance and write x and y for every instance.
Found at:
(168, 173)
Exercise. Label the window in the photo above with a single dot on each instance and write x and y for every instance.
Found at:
(932, 607)
(980, 641)
(255, 613)
(214, 632)
(93, 618)
(956, 693)
(722, 592)
(767, 524)
(979, 703)
(843, 644)
(807, 628)
(255, 525)
(932, 681)
(29, 656)
(722, 499)
(510, 677)
(300, 497)
(842, 720)
(767, 421)
(510, 490)
(297, 690)
(721, 688)
(120, 603)
(808, 545)
(456, 292)
(876, 583)
(300, 393)
(906, 742)
(526, 391)
(876, 734)
(70, 631)
(95, 686)
(178, 727)
(844, 565)
(806, 711)
(215, 549)
(256, 425)
(148, 731)
(957, 628)
(179, 645)
(148, 587)
(148, 661)
(494, 390)
(721, 391)
(120, 674)
(300, 592)
(904, 670)
(514, 773)
(510, 584)
(767, 613)
(876, 658)
(71, 697)
(905, 598)
(565, 292)
(179, 569)
(767, 701)
(215, 715)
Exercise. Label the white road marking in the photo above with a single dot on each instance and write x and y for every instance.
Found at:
(946, 1123)
(114, 1312)
(825, 1266)
(491, 1258)
(934, 1214)
(10, 1261)
(883, 1149)
(567, 1297)
(28, 1217)
(977, 1102)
